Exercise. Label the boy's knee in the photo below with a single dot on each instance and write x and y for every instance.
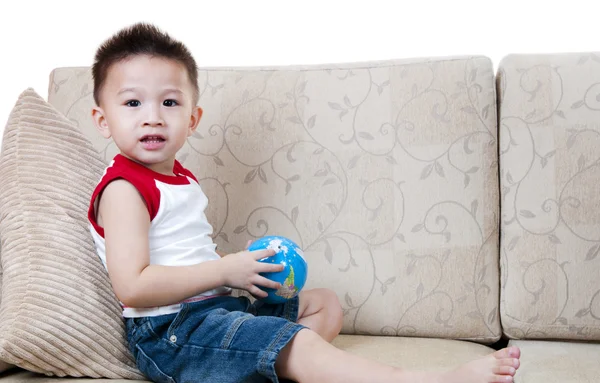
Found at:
(333, 308)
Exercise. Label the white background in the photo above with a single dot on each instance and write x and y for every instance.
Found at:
(37, 36)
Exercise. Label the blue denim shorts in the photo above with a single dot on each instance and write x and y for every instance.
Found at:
(222, 339)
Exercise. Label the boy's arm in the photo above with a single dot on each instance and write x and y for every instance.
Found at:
(137, 283)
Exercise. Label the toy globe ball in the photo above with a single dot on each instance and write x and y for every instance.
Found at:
(292, 277)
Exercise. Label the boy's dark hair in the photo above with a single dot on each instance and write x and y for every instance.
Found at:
(141, 39)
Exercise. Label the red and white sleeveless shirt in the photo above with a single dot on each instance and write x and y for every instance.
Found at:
(179, 234)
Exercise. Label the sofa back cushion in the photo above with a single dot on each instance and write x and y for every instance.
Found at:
(550, 172)
(385, 173)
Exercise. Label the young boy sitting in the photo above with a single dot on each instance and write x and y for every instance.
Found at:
(148, 223)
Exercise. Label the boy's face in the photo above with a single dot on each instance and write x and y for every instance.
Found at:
(147, 107)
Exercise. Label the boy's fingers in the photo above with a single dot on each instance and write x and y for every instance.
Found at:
(258, 293)
(260, 254)
(265, 282)
(271, 268)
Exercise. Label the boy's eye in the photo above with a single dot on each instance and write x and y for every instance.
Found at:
(170, 103)
(133, 103)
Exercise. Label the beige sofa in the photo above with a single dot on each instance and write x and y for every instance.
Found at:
(450, 208)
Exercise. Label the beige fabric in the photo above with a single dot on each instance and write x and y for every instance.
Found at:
(550, 171)
(58, 315)
(3, 365)
(23, 376)
(558, 362)
(412, 353)
(385, 173)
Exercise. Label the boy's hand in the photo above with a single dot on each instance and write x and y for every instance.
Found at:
(241, 270)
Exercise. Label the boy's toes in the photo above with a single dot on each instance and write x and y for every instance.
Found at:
(505, 370)
(503, 379)
(508, 352)
(512, 362)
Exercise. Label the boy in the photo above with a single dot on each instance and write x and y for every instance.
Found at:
(148, 223)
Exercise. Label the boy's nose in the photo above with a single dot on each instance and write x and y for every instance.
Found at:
(154, 118)
(154, 122)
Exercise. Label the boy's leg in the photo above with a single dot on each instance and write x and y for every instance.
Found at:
(320, 310)
(309, 358)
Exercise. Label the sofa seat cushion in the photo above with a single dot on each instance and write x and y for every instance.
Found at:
(17, 375)
(558, 362)
(413, 353)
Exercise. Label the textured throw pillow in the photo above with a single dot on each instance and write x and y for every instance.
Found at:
(3, 365)
(59, 315)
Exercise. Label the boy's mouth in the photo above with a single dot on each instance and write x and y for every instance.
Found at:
(153, 142)
(152, 138)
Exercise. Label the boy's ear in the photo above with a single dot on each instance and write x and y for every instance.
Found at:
(100, 122)
(194, 120)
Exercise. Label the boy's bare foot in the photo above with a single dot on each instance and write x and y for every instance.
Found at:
(499, 367)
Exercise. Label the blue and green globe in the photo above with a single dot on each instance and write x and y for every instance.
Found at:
(292, 277)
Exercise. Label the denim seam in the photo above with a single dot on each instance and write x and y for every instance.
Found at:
(152, 333)
(196, 347)
(286, 310)
(145, 328)
(228, 338)
(269, 353)
(282, 332)
(291, 305)
(141, 351)
(178, 320)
